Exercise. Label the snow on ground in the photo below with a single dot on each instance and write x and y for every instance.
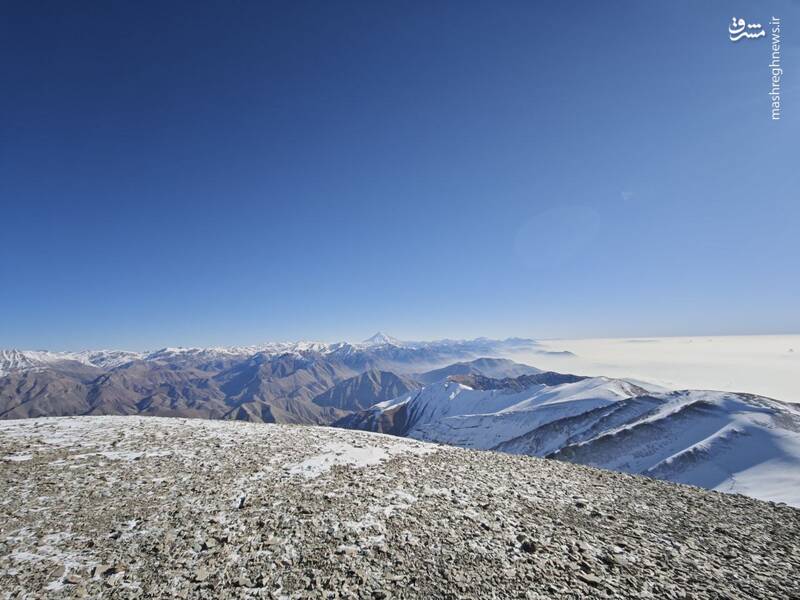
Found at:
(767, 365)
(220, 515)
(355, 454)
(17, 457)
(72, 441)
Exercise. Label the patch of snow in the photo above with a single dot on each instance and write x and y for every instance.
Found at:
(18, 457)
(355, 455)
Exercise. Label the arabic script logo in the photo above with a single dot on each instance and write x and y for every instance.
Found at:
(738, 29)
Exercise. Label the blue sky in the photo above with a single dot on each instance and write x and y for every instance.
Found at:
(217, 173)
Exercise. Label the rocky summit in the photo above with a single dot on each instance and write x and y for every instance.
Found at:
(136, 507)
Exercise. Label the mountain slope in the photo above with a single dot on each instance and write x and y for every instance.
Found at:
(43, 393)
(729, 442)
(162, 508)
(453, 413)
(259, 389)
(36, 360)
(364, 390)
(487, 367)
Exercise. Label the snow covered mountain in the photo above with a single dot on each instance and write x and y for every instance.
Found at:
(378, 351)
(487, 367)
(381, 338)
(25, 360)
(736, 443)
(453, 413)
(723, 441)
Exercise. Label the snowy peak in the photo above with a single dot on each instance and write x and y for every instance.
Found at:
(380, 338)
(18, 360)
(33, 360)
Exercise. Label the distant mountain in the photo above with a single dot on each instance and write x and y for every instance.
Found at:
(488, 367)
(276, 382)
(364, 390)
(381, 338)
(44, 393)
(31, 360)
(516, 384)
(259, 388)
(724, 441)
(454, 413)
(378, 351)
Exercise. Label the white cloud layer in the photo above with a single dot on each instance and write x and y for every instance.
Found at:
(768, 365)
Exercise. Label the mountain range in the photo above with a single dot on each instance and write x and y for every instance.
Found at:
(301, 382)
(459, 392)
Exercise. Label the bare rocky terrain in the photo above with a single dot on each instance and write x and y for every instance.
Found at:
(134, 507)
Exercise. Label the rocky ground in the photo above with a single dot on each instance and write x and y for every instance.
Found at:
(127, 507)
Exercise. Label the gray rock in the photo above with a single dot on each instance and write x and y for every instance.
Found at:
(437, 523)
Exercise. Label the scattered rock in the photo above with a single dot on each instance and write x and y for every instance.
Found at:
(102, 570)
(218, 513)
(592, 580)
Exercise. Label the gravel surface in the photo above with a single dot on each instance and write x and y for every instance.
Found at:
(131, 507)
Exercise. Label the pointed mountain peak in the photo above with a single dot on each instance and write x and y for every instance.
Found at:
(381, 338)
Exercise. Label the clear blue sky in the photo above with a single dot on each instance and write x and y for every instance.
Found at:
(191, 173)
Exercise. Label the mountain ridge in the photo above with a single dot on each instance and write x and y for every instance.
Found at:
(15, 359)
